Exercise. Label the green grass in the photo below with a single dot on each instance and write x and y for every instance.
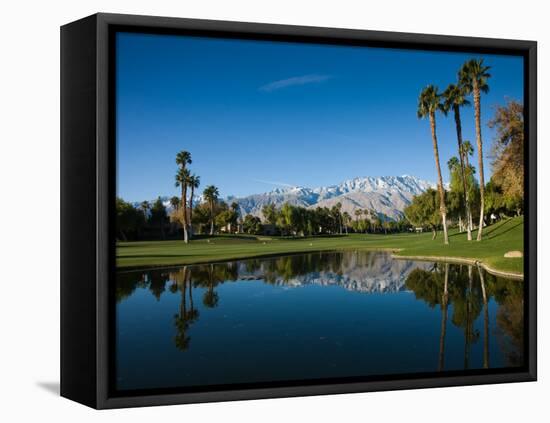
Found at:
(499, 238)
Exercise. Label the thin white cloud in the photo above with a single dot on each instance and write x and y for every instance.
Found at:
(294, 81)
(280, 184)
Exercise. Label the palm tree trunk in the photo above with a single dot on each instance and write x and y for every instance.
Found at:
(184, 212)
(462, 171)
(470, 215)
(477, 110)
(442, 207)
(211, 218)
(191, 212)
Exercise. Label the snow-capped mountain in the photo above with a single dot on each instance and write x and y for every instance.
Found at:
(386, 194)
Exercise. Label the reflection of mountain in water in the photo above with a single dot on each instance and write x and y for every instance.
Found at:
(461, 294)
(360, 272)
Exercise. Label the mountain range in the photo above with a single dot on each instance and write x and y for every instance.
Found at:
(387, 195)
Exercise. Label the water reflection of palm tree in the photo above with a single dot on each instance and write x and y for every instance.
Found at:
(434, 288)
(485, 320)
(444, 302)
(210, 298)
(468, 327)
(186, 317)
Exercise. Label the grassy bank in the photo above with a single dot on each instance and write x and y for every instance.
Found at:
(498, 239)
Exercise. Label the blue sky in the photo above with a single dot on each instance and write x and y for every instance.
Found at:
(257, 114)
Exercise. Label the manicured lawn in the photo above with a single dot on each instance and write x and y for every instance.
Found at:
(504, 236)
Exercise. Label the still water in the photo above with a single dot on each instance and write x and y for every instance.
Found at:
(309, 316)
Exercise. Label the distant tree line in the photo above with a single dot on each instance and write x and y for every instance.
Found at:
(292, 220)
(213, 216)
(132, 221)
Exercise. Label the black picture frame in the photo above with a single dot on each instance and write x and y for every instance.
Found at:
(88, 180)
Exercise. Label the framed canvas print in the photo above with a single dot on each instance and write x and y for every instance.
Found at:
(255, 211)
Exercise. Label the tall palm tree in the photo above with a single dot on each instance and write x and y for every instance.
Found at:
(455, 98)
(211, 194)
(182, 178)
(467, 151)
(194, 182)
(453, 164)
(183, 158)
(428, 104)
(473, 76)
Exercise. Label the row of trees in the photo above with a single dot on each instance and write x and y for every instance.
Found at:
(472, 81)
(293, 220)
(289, 220)
(296, 220)
(132, 221)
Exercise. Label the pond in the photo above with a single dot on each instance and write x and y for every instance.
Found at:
(311, 316)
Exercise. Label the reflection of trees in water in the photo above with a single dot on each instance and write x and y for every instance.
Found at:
(510, 315)
(485, 319)
(466, 310)
(127, 283)
(444, 303)
(187, 314)
(210, 298)
(157, 284)
(468, 290)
